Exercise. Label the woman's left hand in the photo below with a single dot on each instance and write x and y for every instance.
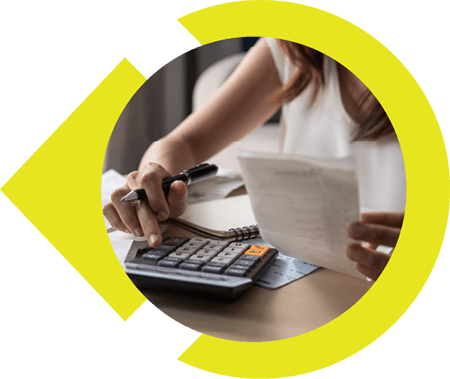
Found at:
(377, 228)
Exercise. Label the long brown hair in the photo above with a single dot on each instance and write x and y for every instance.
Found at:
(376, 123)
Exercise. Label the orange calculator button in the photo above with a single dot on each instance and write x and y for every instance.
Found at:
(257, 250)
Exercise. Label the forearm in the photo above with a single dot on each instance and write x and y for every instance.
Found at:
(239, 106)
(174, 155)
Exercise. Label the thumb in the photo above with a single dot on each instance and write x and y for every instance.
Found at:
(177, 198)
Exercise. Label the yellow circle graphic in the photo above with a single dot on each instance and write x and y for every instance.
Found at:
(427, 176)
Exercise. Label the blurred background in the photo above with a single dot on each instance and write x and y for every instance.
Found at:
(169, 96)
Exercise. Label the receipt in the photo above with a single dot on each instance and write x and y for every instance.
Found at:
(304, 205)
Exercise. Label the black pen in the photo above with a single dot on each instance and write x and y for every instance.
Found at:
(189, 176)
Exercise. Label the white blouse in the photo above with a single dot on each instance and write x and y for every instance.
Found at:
(324, 129)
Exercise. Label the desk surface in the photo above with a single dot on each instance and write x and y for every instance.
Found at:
(265, 315)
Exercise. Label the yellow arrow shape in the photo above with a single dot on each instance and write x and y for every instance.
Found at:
(58, 189)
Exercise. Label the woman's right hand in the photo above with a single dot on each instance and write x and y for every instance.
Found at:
(143, 216)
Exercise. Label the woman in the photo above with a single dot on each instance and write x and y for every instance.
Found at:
(327, 111)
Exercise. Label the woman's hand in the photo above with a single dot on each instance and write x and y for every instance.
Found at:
(142, 217)
(377, 228)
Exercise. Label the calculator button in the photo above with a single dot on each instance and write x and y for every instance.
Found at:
(245, 262)
(213, 269)
(235, 272)
(257, 250)
(189, 250)
(161, 252)
(240, 267)
(218, 243)
(194, 244)
(225, 260)
(168, 263)
(165, 248)
(228, 254)
(254, 258)
(169, 258)
(176, 241)
(190, 266)
(218, 264)
(213, 248)
(238, 244)
(196, 261)
(200, 240)
(209, 253)
(181, 255)
(202, 257)
(234, 249)
(152, 257)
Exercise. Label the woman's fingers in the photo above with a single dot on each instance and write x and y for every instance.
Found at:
(367, 257)
(148, 222)
(394, 219)
(178, 198)
(136, 217)
(376, 228)
(151, 181)
(369, 272)
(369, 262)
(374, 233)
(126, 212)
(110, 212)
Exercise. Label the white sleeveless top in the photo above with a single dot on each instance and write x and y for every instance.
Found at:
(325, 129)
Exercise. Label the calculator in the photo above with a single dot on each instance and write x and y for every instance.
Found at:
(200, 267)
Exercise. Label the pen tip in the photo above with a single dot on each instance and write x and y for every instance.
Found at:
(132, 196)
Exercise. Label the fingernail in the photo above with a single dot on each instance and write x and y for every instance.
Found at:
(357, 230)
(162, 216)
(354, 254)
(138, 232)
(153, 238)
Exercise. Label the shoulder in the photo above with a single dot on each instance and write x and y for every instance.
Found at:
(282, 63)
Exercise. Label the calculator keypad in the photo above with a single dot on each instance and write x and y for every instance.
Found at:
(201, 265)
(205, 255)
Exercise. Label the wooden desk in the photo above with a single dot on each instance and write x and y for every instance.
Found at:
(265, 315)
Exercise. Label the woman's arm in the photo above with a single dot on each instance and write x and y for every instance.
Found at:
(238, 107)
